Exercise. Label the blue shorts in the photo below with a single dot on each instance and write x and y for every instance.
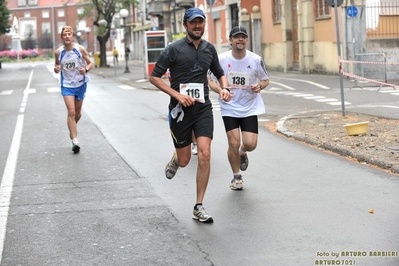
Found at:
(79, 92)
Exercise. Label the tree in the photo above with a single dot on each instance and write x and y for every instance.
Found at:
(30, 41)
(105, 10)
(4, 17)
(45, 41)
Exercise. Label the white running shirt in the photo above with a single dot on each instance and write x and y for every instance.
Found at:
(70, 63)
(241, 73)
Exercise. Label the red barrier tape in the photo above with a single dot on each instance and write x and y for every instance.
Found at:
(369, 80)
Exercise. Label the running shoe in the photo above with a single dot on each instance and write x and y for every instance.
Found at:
(171, 167)
(201, 215)
(194, 150)
(237, 183)
(244, 162)
(75, 145)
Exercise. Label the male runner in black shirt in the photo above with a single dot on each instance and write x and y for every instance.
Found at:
(190, 109)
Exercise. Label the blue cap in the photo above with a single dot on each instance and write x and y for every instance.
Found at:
(193, 13)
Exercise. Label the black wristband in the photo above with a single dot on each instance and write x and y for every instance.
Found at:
(225, 88)
(87, 70)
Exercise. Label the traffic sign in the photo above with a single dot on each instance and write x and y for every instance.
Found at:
(351, 11)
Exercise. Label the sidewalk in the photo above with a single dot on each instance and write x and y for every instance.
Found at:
(135, 67)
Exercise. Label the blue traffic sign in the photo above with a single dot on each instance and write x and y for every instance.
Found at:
(351, 11)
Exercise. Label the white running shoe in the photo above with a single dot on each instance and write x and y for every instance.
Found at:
(194, 150)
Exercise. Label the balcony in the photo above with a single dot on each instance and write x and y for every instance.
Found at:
(155, 8)
(185, 3)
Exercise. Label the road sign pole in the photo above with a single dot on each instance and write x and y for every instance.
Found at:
(341, 83)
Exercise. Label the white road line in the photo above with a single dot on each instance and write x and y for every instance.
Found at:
(6, 92)
(273, 89)
(51, 69)
(30, 91)
(314, 97)
(127, 87)
(283, 85)
(54, 89)
(303, 95)
(326, 100)
(7, 181)
(307, 81)
(339, 103)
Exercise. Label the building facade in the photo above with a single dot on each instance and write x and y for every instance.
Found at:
(37, 17)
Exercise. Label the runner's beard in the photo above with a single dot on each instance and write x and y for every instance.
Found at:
(194, 36)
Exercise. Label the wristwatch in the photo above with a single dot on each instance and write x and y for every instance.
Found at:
(87, 70)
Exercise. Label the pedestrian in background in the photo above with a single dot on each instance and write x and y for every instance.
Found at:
(247, 77)
(127, 53)
(190, 109)
(115, 53)
(73, 62)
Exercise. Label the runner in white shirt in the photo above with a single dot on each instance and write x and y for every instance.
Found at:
(73, 62)
(247, 77)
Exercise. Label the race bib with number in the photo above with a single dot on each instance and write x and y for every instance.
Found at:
(238, 79)
(71, 64)
(194, 90)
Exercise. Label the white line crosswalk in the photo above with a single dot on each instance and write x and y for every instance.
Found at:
(321, 99)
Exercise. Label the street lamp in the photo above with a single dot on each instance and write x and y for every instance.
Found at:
(124, 13)
(87, 30)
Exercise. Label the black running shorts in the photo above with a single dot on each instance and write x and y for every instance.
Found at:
(197, 118)
(249, 124)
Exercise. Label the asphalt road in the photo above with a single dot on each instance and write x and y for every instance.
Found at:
(112, 205)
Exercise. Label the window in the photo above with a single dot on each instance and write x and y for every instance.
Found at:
(276, 11)
(81, 25)
(235, 21)
(60, 25)
(45, 14)
(46, 27)
(61, 13)
(322, 9)
(80, 11)
(27, 14)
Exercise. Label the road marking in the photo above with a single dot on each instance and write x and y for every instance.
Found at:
(51, 69)
(310, 97)
(54, 89)
(314, 97)
(127, 87)
(283, 85)
(326, 100)
(307, 81)
(6, 92)
(303, 95)
(7, 181)
(273, 89)
(339, 103)
(30, 91)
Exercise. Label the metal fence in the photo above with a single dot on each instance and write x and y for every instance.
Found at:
(373, 66)
(382, 19)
